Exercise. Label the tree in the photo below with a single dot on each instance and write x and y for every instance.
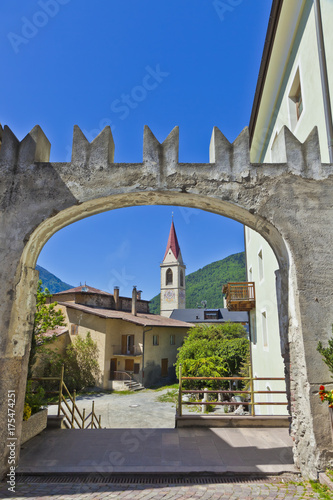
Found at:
(213, 351)
(46, 318)
(81, 363)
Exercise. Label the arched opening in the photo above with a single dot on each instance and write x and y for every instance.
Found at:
(45, 231)
(63, 218)
(168, 277)
(220, 208)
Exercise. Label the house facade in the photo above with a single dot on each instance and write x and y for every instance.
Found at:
(133, 346)
(294, 90)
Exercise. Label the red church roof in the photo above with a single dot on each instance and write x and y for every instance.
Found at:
(172, 242)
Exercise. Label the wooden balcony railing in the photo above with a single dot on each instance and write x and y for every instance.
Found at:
(240, 296)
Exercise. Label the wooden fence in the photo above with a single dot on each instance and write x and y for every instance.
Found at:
(251, 393)
(74, 418)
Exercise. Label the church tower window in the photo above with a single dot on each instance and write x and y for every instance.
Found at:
(168, 277)
(181, 278)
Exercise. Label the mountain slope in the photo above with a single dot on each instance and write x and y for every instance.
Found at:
(206, 283)
(51, 282)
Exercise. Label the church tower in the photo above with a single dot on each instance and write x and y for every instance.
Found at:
(172, 276)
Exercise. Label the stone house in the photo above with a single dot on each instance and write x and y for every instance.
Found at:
(134, 346)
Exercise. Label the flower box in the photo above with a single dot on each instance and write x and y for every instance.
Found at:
(34, 425)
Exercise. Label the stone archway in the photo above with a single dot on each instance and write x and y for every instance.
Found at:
(289, 204)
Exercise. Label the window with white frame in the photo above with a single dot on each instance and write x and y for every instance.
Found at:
(260, 265)
(264, 329)
(295, 100)
(156, 340)
(253, 327)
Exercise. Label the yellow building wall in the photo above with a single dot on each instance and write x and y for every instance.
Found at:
(153, 354)
(108, 332)
(116, 328)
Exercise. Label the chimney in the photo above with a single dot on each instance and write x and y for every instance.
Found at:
(134, 299)
(138, 294)
(116, 297)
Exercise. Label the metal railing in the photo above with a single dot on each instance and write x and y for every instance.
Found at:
(120, 375)
(251, 402)
(74, 418)
(135, 350)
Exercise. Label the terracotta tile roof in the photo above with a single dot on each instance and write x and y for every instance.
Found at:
(78, 289)
(141, 318)
(172, 242)
(57, 331)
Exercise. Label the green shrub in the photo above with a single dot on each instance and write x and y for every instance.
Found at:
(26, 412)
(35, 399)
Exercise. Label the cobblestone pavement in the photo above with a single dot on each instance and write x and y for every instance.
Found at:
(277, 489)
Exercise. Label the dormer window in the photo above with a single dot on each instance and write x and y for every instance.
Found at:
(168, 277)
(211, 314)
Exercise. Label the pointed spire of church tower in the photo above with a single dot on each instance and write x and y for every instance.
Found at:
(172, 244)
(172, 276)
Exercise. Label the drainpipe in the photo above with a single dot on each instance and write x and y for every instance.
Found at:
(324, 78)
(145, 330)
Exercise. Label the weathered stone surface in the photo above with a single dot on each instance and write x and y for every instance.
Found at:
(34, 425)
(290, 204)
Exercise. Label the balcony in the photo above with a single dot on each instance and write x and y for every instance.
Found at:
(133, 350)
(240, 296)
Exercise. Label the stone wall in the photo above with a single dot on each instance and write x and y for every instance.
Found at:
(290, 204)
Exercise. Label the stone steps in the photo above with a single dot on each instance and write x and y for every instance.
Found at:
(134, 386)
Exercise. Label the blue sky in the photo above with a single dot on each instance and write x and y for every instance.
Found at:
(127, 63)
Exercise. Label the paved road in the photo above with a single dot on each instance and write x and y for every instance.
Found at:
(274, 490)
(137, 410)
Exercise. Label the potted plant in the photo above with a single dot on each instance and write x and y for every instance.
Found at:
(326, 395)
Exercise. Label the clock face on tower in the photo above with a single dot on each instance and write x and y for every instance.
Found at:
(182, 296)
(169, 296)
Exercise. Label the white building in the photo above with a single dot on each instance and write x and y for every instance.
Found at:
(294, 89)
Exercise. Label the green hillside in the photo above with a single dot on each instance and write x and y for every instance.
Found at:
(51, 282)
(206, 283)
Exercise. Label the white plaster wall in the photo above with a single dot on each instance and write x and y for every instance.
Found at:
(307, 60)
(301, 48)
(266, 360)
